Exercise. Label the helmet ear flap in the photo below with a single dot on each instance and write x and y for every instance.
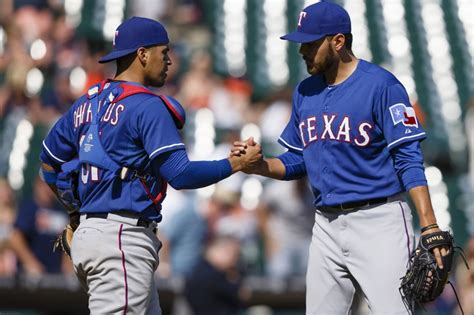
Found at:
(176, 110)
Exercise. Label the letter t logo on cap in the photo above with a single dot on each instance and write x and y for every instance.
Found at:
(115, 36)
(302, 15)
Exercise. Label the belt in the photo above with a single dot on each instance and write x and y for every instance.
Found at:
(353, 204)
(139, 221)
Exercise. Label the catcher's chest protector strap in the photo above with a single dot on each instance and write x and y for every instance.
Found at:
(175, 109)
(91, 150)
(128, 89)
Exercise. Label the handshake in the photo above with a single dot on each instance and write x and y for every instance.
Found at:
(246, 156)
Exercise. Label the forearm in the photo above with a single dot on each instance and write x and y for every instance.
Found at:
(421, 198)
(271, 167)
(47, 172)
(49, 176)
(181, 173)
(199, 174)
(408, 163)
(287, 166)
(295, 168)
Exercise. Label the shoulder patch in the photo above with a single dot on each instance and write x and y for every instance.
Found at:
(403, 114)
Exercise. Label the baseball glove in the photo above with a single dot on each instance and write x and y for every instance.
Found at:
(424, 280)
(64, 239)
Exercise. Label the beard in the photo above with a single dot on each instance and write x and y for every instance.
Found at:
(318, 68)
(157, 81)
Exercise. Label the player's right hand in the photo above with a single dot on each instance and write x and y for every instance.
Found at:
(245, 156)
(240, 147)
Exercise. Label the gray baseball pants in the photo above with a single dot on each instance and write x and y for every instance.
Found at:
(367, 249)
(115, 261)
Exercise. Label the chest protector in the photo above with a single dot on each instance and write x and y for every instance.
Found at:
(92, 152)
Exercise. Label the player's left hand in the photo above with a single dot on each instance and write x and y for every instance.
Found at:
(246, 156)
(438, 252)
(240, 147)
(429, 268)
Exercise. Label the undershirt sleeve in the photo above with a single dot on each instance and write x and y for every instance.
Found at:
(181, 173)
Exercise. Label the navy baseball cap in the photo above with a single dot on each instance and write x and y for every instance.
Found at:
(134, 33)
(319, 20)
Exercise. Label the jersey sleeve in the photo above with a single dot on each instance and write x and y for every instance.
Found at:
(59, 145)
(156, 128)
(290, 138)
(397, 118)
(408, 162)
(294, 165)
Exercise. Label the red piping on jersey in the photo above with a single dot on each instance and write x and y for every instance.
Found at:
(125, 306)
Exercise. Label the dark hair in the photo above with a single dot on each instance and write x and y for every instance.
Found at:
(123, 63)
(348, 42)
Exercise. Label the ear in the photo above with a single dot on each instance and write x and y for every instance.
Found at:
(338, 41)
(142, 54)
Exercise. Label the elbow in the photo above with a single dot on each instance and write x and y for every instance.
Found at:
(177, 184)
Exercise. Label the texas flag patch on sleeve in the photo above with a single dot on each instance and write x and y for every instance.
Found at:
(403, 114)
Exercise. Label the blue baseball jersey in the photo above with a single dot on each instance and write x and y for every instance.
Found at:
(345, 133)
(134, 130)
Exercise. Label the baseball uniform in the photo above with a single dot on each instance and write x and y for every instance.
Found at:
(345, 140)
(110, 157)
(359, 143)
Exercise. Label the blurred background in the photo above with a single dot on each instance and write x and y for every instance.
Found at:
(234, 76)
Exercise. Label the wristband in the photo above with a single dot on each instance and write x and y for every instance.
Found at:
(429, 227)
(49, 177)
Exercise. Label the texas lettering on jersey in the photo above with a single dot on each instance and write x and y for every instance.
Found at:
(334, 130)
(347, 138)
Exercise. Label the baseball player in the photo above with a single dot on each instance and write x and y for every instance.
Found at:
(354, 133)
(122, 141)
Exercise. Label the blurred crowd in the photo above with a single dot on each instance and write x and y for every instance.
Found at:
(239, 227)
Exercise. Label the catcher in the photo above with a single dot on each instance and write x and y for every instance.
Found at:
(112, 155)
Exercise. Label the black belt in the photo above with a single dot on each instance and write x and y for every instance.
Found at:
(353, 204)
(140, 222)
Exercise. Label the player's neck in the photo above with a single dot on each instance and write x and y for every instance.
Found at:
(130, 76)
(343, 70)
